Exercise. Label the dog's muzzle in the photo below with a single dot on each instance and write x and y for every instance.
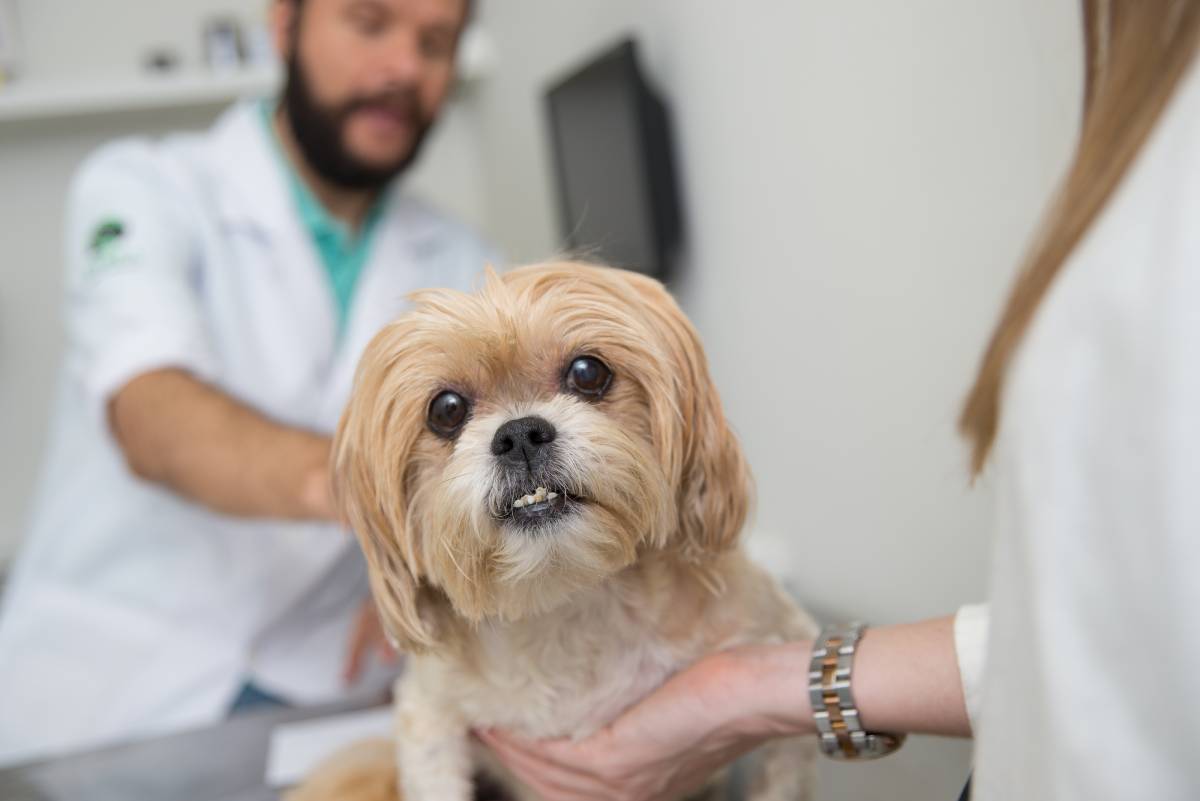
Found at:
(523, 449)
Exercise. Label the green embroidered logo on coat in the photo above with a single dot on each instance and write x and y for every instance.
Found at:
(109, 247)
(106, 237)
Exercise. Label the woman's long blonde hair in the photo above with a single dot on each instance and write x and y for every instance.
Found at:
(1136, 52)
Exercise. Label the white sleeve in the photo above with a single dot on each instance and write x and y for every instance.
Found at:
(970, 644)
(132, 284)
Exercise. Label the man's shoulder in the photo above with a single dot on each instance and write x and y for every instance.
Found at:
(452, 252)
(422, 220)
(138, 160)
(174, 158)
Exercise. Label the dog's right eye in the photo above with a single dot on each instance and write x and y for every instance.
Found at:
(588, 377)
(447, 413)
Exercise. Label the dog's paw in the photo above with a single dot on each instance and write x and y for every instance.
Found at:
(364, 771)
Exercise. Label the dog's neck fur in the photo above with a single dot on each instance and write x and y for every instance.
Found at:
(569, 671)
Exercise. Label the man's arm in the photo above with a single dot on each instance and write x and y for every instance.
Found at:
(184, 434)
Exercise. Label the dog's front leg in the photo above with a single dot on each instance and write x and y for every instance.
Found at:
(433, 748)
(785, 769)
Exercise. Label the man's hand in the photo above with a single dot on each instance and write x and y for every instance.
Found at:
(368, 638)
(316, 494)
(672, 741)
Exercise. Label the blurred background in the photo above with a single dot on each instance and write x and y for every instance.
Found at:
(856, 180)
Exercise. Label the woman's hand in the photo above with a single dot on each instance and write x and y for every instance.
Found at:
(906, 680)
(672, 741)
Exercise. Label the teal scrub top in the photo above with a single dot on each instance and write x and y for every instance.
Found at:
(343, 252)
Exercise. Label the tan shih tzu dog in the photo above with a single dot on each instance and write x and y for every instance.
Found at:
(549, 499)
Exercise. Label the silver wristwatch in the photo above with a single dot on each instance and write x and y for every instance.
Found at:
(841, 734)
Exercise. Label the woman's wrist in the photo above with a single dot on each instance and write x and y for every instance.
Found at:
(773, 690)
(905, 680)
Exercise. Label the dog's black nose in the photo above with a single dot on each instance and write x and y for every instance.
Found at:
(522, 442)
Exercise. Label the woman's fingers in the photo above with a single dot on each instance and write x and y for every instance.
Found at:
(552, 780)
(668, 743)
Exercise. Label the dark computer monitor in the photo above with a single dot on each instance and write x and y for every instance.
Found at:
(614, 163)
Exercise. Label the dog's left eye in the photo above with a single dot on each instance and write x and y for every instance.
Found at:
(588, 376)
(447, 413)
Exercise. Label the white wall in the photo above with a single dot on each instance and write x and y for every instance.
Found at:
(37, 160)
(860, 180)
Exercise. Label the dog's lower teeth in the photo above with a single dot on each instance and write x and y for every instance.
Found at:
(540, 495)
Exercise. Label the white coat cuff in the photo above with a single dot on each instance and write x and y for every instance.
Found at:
(119, 365)
(970, 644)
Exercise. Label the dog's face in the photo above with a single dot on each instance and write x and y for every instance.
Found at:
(504, 449)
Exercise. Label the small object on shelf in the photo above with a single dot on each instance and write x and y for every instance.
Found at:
(259, 49)
(476, 54)
(223, 47)
(161, 61)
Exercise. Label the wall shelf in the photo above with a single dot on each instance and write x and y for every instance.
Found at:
(58, 99)
(62, 98)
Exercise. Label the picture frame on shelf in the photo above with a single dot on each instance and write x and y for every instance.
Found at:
(224, 48)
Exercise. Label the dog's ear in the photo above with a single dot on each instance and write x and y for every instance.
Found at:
(372, 459)
(698, 449)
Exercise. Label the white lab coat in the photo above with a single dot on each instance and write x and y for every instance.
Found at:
(131, 610)
(1090, 686)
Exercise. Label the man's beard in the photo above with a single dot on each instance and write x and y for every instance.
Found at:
(318, 130)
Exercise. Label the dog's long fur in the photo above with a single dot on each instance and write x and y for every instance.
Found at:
(553, 632)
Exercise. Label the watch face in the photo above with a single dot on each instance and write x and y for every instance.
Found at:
(843, 746)
(880, 745)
